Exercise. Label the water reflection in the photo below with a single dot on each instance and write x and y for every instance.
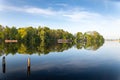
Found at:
(3, 64)
(72, 64)
(43, 48)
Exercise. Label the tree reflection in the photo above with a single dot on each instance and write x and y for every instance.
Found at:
(44, 48)
(79, 45)
(92, 46)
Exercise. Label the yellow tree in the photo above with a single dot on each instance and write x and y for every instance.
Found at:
(22, 32)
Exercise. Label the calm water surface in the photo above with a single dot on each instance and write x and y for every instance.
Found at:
(71, 64)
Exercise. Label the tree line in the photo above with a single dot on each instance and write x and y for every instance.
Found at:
(30, 35)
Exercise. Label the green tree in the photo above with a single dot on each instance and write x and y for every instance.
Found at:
(13, 33)
(79, 37)
(1, 33)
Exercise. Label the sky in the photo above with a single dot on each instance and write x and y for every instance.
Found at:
(73, 16)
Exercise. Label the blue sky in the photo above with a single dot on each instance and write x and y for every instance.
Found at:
(71, 15)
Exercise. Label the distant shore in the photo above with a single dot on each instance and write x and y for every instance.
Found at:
(112, 40)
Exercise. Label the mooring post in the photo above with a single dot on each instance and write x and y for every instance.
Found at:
(3, 64)
(28, 66)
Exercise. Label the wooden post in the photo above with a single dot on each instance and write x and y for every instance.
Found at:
(28, 66)
(3, 64)
(28, 62)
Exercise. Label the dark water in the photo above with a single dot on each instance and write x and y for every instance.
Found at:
(71, 64)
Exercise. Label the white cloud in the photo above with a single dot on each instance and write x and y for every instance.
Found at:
(62, 4)
(40, 11)
(31, 10)
(82, 15)
(46, 11)
(73, 14)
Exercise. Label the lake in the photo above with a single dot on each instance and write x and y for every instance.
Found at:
(63, 64)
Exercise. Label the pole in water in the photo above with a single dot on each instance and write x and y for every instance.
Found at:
(3, 64)
(28, 66)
